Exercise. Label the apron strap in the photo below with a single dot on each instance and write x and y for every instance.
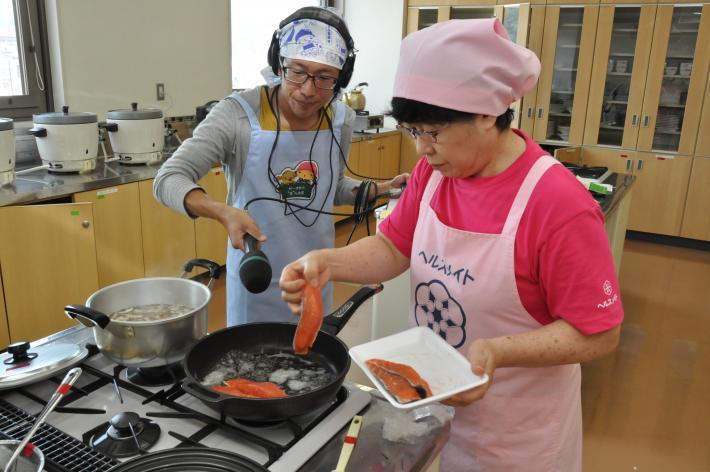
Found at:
(521, 199)
(431, 187)
(253, 119)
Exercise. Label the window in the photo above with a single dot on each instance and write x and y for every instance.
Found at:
(24, 83)
(253, 26)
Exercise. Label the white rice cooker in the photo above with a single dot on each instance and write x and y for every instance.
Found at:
(137, 136)
(7, 152)
(67, 142)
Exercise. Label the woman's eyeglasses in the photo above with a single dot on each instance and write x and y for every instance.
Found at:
(426, 136)
(298, 76)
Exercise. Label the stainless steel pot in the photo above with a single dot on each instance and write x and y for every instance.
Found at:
(31, 463)
(148, 343)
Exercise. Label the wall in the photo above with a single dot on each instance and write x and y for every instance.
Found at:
(106, 54)
(376, 27)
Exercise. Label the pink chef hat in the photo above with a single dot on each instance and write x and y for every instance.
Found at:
(465, 65)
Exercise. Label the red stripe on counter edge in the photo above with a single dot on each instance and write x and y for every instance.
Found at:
(350, 439)
(63, 389)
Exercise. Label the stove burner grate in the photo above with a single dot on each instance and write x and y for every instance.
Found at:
(62, 452)
(152, 376)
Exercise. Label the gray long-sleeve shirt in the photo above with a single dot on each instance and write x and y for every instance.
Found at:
(223, 137)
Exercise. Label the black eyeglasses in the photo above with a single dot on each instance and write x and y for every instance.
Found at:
(427, 136)
(298, 76)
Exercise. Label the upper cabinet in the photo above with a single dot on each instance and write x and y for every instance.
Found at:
(563, 87)
(621, 55)
(678, 69)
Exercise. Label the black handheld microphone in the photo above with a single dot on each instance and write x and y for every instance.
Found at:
(254, 268)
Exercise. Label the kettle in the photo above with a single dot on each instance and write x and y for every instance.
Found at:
(355, 99)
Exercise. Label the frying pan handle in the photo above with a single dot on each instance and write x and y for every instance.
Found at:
(87, 316)
(198, 391)
(334, 322)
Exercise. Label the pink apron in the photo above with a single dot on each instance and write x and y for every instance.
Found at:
(463, 288)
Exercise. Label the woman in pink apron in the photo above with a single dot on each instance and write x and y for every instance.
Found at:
(509, 260)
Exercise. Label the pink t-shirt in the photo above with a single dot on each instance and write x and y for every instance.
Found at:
(563, 263)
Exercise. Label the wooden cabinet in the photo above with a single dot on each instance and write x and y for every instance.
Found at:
(696, 218)
(373, 157)
(677, 72)
(168, 236)
(117, 232)
(48, 261)
(4, 330)
(563, 87)
(621, 57)
(659, 192)
(702, 147)
(421, 14)
(210, 236)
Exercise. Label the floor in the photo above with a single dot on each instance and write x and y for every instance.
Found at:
(647, 405)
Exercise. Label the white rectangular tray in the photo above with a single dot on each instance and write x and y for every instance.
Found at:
(442, 366)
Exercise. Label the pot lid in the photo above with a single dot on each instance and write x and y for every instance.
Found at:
(64, 117)
(135, 114)
(190, 459)
(22, 364)
(6, 124)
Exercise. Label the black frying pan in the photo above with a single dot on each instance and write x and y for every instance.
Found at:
(328, 352)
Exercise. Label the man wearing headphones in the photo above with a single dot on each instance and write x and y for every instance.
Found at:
(283, 147)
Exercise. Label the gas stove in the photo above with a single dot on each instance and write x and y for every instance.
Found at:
(109, 418)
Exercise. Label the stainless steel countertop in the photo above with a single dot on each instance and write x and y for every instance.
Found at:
(40, 184)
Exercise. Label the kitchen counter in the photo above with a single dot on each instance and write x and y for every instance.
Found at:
(622, 185)
(41, 185)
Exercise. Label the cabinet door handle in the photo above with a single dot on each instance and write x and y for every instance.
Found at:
(639, 164)
(85, 224)
(628, 164)
(540, 112)
(530, 112)
(634, 120)
(646, 120)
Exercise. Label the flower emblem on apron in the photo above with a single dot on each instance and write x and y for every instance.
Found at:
(437, 309)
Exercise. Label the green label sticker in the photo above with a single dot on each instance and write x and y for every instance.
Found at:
(100, 197)
(75, 213)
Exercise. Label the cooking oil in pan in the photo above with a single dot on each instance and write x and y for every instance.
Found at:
(292, 373)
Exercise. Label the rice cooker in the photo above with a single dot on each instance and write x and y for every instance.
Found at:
(67, 142)
(137, 136)
(7, 152)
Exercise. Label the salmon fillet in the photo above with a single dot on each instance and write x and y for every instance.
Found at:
(310, 320)
(400, 380)
(240, 387)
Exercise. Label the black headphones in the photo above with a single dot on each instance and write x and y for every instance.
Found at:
(324, 16)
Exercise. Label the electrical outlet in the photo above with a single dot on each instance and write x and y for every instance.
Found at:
(160, 91)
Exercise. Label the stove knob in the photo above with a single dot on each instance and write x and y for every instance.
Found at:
(124, 420)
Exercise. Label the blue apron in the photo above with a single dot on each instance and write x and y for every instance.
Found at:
(304, 178)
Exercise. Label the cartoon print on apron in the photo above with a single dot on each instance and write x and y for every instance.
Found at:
(299, 175)
(463, 287)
